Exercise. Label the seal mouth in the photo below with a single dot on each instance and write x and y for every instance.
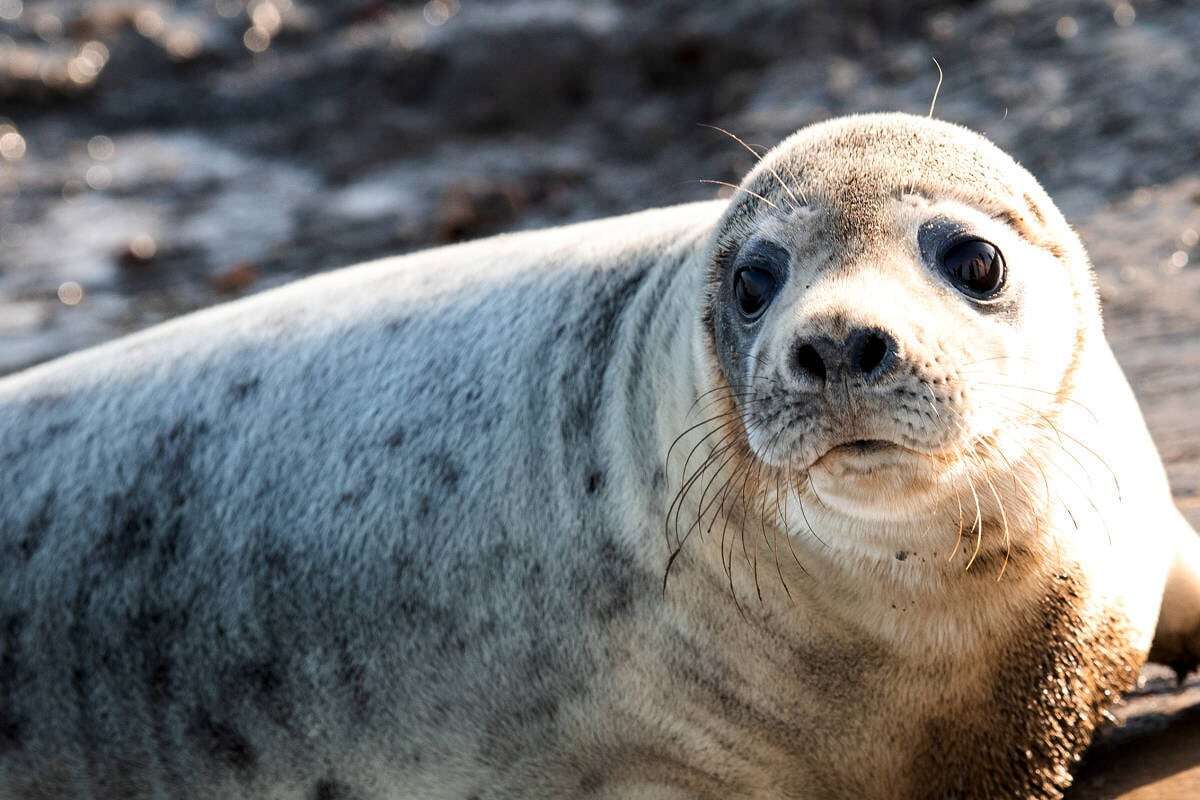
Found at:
(864, 446)
(868, 454)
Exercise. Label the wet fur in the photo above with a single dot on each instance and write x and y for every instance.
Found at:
(401, 531)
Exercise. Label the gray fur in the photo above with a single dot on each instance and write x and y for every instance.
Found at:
(242, 563)
(398, 532)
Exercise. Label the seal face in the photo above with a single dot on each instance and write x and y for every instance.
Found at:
(892, 315)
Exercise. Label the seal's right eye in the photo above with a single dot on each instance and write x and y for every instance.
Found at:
(975, 267)
(754, 288)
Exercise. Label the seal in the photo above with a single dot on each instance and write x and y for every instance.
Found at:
(832, 489)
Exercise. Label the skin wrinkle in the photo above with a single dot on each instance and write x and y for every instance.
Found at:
(316, 557)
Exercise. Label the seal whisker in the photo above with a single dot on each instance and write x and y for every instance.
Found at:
(725, 387)
(1018, 481)
(761, 361)
(775, 546)
(695, 525)
(737, 188)
(1089, 411)
(727, 564)
(982, 442)
(758, 157)
(694, 476)
(700, 424)
(745, 513)
(735, 440)
(961, 521)
(1060, 433)
(936, 89)
(763, 491)
(780, 496)
(804, 513)
(731, 449)
(685, 483)
(727, 444)
(977, 527)
(1066, 473)
(1003, 520)
(731, 396)
(719, 450)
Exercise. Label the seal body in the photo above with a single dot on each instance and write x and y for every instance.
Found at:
(401, 530)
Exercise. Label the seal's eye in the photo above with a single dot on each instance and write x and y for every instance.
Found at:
(975, 267)
(754, 288)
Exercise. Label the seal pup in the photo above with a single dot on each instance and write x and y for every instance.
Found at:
(830, 490)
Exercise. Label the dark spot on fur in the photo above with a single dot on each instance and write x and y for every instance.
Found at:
(278, 567)
(240, 390)
(604, 302)
(265, 682)
(902, 555)
(403, 563)
(612, 581)
(354, 499)
(396, 440)
(11, 729)
(36, 528)
(148, 511)
(594, 481)
(330, 789)
(57, 429)
(448, 471)
(131, 532)
(222, 742)
(352, 676)
(158, 682)
(659, 478)
(12, 724)
(150, 633)
(648, 313)
(590, 782)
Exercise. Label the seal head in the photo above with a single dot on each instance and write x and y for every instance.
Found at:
(895, 304)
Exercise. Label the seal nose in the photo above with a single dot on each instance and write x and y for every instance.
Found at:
(867, 354)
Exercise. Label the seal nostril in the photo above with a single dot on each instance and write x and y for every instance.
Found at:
(872, 353)
(808, 361)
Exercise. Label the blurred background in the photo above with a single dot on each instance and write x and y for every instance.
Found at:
(157, 156)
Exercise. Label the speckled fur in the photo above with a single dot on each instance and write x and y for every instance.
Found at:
(398, 531)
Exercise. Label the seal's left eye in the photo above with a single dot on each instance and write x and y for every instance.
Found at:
(754, 288)
(975, 267)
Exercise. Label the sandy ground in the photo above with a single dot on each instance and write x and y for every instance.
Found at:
(156, 157)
